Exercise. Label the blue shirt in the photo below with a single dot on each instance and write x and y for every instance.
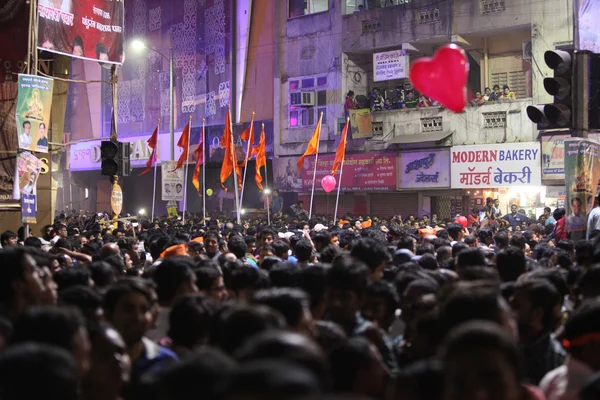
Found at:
(277, 204)
(154, 359)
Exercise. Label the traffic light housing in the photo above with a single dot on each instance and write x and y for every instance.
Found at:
(556, 115)
(115, 158)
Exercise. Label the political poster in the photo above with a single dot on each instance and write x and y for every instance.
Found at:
(87, 29)
(28, 170)
(361, 124)
(34, 102)
(582, 171)
(172, 181)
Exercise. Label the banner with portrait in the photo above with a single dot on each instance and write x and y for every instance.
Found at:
(28, 170)
(582, 171)
(172, 181)
(87, 29)
(360, 121)
(34, 102)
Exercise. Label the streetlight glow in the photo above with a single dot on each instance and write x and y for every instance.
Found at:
(267, 191)
(142, 211)
(138, 44)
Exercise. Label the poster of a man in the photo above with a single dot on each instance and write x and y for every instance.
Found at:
(42, 142)
(25, 137)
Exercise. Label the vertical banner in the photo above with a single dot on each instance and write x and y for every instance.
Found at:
(34, 101)
(88, 29)
(362, 126)
(28, 209)
(171, 181)
(582, 171)
(27, 173)
(587, 25)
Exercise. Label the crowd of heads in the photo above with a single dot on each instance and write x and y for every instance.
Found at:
(383, 308)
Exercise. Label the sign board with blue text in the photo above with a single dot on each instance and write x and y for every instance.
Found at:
(424, 169)
(496, 166)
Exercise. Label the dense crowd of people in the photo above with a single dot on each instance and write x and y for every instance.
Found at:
(384, 308)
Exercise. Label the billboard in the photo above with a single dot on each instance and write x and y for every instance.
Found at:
(425, 169)
(88, 29)
(34, 101)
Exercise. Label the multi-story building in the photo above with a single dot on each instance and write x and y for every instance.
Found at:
(328, 48)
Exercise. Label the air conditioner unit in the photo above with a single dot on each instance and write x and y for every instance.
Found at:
(527, 54)
(308, 99)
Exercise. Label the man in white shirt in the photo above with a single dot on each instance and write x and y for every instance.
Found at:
(25, 137)
(593, 219)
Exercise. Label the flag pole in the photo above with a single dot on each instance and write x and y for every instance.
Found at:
(154, 190)
(337, 199)
(185, 179)
(267, 184)
(235, 182)
(203, 175)
(312, 193)
(247, 158)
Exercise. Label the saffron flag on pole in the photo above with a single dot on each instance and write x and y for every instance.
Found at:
(261, 157)
(313, 145)
(152, 143)
(184, 143)
(199, 161)
(229, 159)
(340, 154)
(248, 135)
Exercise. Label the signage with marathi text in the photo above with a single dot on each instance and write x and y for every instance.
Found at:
(495, 166)
(34, 101)
(87, 29)
(389, 65)
(425, 169)
(553, 156)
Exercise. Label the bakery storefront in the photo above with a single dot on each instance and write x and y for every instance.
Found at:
(509, 172)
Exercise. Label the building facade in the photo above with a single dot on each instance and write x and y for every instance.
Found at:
(327, 48)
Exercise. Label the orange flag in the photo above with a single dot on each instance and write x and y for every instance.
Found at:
(248, 135)
(152, 142)
(261, 157)
(184, 143)
(313, 145)
(199, 161)
(229, 159)
(340, 154)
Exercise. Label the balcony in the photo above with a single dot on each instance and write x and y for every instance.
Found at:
(495, 122)
(391, 26)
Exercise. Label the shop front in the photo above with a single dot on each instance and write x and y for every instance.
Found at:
(509, 172)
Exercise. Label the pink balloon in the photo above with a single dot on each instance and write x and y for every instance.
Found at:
(328, 182)
(443, 77)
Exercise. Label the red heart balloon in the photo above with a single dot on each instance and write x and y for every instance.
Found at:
(443, 77)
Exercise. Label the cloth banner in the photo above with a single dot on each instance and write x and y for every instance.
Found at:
(582, 171)
(88, 29)
(28, 209)
(172, 181)
(34, 102)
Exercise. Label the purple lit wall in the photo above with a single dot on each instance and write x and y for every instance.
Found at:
(201, 34)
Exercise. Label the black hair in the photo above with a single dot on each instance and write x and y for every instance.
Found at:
(247, 279)
(347, 360)
(428, 262)
(25, 123)
(101, 49)
(206, 277)
(291, 303)
(170, 275)
(280, 249)
(13, 269)
(454, 230)
(102, 273)
(425, 248)
(313, 281)
(470, 257)
(501, 239)
(348, 274)
(370, 252)
(190, 320)
(458, 247)
(32, 371)
(510, 263)
(284, 274)
(586, 319)
(33, 241)
(86, 299)
(5, 236)
(237, 245)
(303, 250)
(74, 276)
(541, 294)
(387, 292)
(48, 324)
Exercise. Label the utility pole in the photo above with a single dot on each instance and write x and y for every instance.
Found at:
(581, 96)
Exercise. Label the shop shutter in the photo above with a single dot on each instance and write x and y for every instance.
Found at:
(386, 205)
(325, 204)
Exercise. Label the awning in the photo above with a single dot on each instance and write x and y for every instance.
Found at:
(420, 138)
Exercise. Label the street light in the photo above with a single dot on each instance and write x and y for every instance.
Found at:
(139, 45)
(142, 211)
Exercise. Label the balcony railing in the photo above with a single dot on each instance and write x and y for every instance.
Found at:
(492, 122)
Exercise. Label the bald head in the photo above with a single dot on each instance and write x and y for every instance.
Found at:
(108, 250)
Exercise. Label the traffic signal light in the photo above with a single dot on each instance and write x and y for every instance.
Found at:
(558, 114)
(115, 158)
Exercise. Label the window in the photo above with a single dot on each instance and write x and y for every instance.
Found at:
(516, 81)
(308, 98)
(492, 6)
(298, 8)
(494, 120)
(433, 124)
(428, 16)
(353, 6)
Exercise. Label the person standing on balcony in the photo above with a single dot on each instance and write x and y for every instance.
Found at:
(507, 94)
(377, 102)
(487, 93)
(495, 95)
(411, 101)
(349, 104)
